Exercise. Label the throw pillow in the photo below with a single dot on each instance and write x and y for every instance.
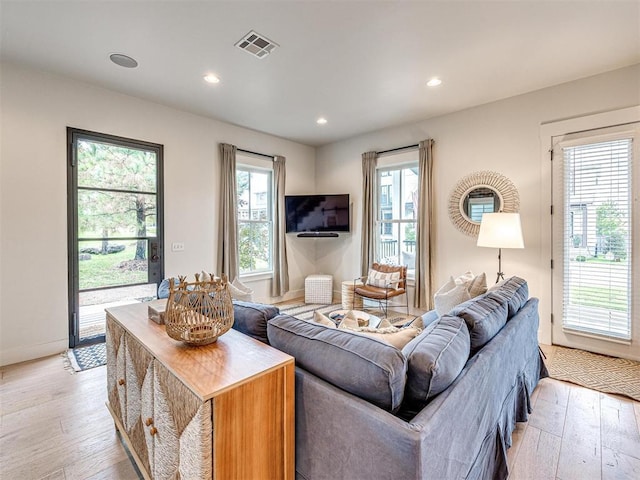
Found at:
(320, 319)
(450, 295)
(349, 321)
(397, 337)
(478, 285)
(383, 279)
(465, 278)
(240, 291)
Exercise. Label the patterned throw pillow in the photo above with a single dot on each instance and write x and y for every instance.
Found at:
(383, 279)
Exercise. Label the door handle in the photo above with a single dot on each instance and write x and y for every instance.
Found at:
(154, 257)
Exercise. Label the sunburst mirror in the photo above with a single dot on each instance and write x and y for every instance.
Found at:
(478, 193)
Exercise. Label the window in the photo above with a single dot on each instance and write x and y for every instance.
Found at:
(597, 236)
(397, 215)
(255, 219)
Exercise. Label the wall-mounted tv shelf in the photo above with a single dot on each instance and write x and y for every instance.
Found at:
(317, 234)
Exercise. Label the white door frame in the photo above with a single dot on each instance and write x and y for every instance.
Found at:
(547, 132)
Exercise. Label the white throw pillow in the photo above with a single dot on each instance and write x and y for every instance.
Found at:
(349, 321)
(478, 285)
(465, 278)
(397, 337)
(383, 279)
(240, 291)
(322, 320)
(450, 295)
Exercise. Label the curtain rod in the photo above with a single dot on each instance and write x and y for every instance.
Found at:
(270, 157)
(397, 149)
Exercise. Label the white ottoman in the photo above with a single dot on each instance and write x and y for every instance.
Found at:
(318, 289)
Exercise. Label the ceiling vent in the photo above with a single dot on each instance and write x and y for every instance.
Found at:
(256, 44)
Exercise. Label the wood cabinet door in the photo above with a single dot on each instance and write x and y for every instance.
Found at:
(138, 370)
(116, 376)
(182, 443)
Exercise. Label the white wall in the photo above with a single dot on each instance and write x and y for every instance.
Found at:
(503, 136)
(36, 108)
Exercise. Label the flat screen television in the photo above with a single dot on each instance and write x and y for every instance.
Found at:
(313, 215)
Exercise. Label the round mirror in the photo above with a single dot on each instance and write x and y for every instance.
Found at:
(478, 200)
(479, 193)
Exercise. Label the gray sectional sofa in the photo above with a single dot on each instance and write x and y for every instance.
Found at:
(442, 408)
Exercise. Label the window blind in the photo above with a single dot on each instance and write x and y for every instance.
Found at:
(597, 238)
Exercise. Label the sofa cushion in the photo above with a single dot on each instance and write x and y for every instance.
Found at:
(365, 367)
(251, 318)
(485, 316)
(513, 291)
(435, 358)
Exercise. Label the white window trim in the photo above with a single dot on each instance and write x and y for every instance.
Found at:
(389, 164)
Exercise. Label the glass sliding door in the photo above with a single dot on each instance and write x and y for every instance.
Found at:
(115, 227)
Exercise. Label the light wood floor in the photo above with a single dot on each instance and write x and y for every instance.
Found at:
(55, 425)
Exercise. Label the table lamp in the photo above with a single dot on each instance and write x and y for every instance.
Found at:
(500, 230)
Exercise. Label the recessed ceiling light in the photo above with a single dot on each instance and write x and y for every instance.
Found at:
(123, 60)
(434, 82)
(211, 78)
(321, 121)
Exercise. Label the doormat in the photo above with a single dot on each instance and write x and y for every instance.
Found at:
(84, 358)
(597, 372)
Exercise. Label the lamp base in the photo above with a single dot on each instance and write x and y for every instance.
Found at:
(500, 276)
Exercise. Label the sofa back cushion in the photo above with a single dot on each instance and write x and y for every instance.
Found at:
(435, 358)
(513, 291)
(365, 367)
(485, 316)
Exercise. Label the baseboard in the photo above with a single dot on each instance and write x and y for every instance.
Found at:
(31, 352)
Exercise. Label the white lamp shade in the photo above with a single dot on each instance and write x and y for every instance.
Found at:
(500, 230)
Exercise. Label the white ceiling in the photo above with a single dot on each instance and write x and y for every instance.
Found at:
(363, 65)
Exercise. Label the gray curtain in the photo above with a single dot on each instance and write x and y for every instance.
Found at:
(280, 282)
(368, 250)
(228, 224)
(423, 298)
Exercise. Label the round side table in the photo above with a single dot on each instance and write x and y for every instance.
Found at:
(348, 302)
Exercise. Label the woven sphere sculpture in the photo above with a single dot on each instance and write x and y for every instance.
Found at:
(199, 312)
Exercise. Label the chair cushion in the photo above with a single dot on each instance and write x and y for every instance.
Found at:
(378, 293)
(485, 316)
(251, 318)
(365, 367)
(435, 358)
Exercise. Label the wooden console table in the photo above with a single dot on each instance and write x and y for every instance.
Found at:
(220, 411)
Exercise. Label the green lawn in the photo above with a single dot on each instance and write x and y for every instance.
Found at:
(103, 271)
(611, 299)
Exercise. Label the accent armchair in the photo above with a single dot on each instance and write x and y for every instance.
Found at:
(383, 283)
